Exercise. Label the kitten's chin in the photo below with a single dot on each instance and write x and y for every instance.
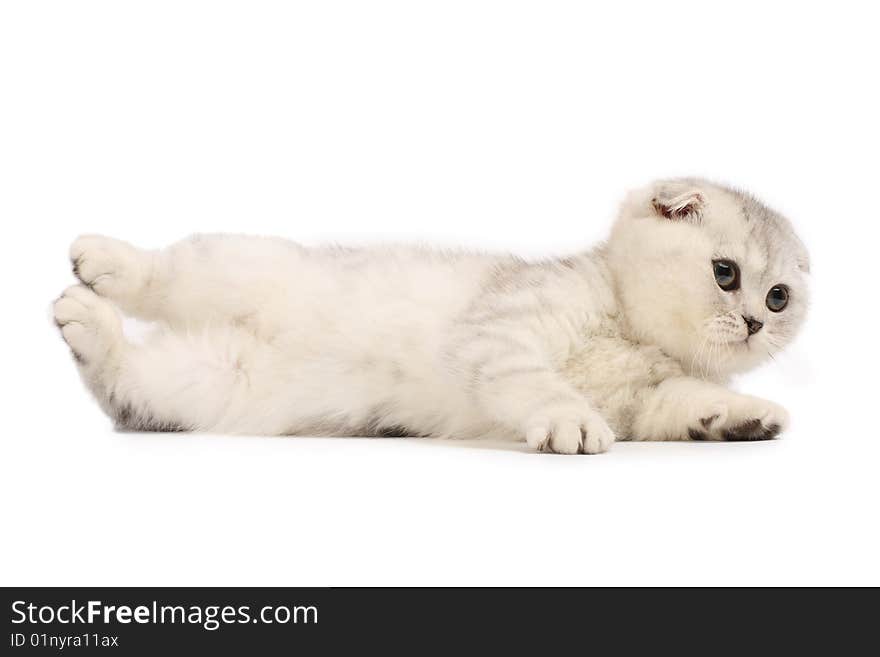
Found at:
(720, 359)
(746, 355)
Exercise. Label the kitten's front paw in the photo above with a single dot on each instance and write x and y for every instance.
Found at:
(741, 418)
(110, 267)
(572, 432)
(90, 327)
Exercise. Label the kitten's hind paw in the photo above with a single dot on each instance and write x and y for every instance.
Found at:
(112, 268)
(90, 327)
(581, 433)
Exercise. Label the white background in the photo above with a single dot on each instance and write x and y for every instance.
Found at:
(504, 125)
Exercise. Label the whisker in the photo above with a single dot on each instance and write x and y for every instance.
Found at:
(696, 359)
(704, 345)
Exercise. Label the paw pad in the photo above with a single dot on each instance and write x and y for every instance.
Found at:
(751, 430)
(708, 421)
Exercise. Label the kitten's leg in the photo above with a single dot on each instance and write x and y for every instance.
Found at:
(201, 281)
(518, 388)
(212, 381)
(555, 418)
(93, 331)
(685, 408)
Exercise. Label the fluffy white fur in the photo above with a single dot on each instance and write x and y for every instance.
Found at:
(633, 339)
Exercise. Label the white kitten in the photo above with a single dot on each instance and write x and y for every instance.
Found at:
(632, 339)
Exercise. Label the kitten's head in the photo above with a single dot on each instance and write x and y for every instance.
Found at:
(709, 274)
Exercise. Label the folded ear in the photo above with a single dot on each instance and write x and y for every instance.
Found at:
(678, 201)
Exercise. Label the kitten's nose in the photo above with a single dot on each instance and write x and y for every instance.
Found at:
(753, 324)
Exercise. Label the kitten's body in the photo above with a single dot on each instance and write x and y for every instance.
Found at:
(263, 336)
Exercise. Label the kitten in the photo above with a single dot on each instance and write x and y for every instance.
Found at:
(632, 340)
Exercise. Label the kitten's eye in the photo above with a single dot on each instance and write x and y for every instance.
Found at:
(726, 274)
(777, 298)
